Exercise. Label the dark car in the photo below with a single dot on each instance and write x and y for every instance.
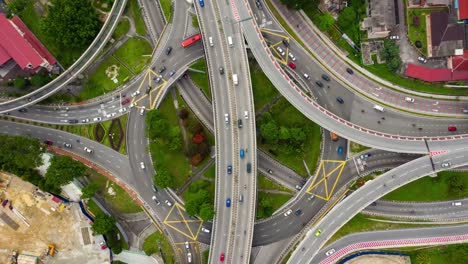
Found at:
(48, 142)
(229, 169)
(340, 100)
(285, 42)
(172, 73)
(228, 202)
(319, 83)
(298, 212)
(349, 70)
(249, 167)
(168, 50)
(326, 77)
(162, 69)
(259, 5)
(239, 123)
(148, 89)
(23, 110)
(73, 121)
(221, 70)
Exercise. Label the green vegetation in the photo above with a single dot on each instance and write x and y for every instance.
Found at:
(117, 199)
(266, 184)
(206, 255)
(129, 57)
(448, 185)
(135, 12)
(62, 170)
(263, 90)
(289, 136)
(416, 21)
(391, 54)
(201, 79)
(104, 5)
(325, 22)
(121, 29)
(154, 243)
(199, 199)
(195, 22)
(357, 148)
(300, 4)
(167, 8)
(268, 203)
(457, 253)
(286, 258)
(211, 172)
(349, 18)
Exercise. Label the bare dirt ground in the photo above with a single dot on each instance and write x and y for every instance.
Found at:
(48, 223)
(379, 259)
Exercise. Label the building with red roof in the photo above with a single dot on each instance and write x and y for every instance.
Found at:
(19, 44)
(462, 9)
(457, 70)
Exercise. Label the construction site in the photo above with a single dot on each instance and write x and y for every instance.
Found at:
(37, 227)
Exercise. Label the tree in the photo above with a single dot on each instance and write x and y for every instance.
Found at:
(456, 184)
(207, 212)
(20, 83)
(175, 138)
(89, 190)
(62, 170)
(300, 4)
(198, 138)
(325, 22)
(347, 18)
(16, 6)
(391, 54)
(298, 137)
(20, 152)
(196, 159)
(163, 178)
(71, 23)
(284, 133)
(183, 113)
(269, 132)
(103, 224)
(40, 80)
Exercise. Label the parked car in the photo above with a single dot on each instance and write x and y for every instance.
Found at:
(168, 203)
(135, 93)
(340, 100)
(292, 65)
(205, 230)
(422, 59)
(172, 73)
(285, 42)
(298, 212)
(395, 37)
(330, 252)
(85, 120)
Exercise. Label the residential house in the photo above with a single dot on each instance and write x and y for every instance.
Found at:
(381, 19)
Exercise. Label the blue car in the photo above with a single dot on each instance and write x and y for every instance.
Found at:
(340, 150)
(202, 3)
(229, 169)
(228, 202)
(241, 153)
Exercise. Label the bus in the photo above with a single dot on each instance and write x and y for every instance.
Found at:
(191, 40)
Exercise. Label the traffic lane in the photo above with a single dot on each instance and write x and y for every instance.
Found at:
(445, 210)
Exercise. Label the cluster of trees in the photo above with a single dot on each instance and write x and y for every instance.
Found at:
(36, 80)
(391, 54)
(456, 185)
(105, 225)
(62, 170)
(350, 17)
(198, 200)
(289, 139)
(264, 206)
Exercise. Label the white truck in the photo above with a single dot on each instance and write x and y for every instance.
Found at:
(234, 79)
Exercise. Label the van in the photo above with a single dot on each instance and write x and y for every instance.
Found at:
(210, 40)
(334, 137)
(230, 43)
(234, 79)
(379, 108)
(241, 198)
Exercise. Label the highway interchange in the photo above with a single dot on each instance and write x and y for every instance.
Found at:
(233, 231)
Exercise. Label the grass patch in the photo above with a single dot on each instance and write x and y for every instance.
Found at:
(286, 258)
(357, 148)
(448, 185)
(206, 255)
(134, 53)
(121, 29)
(440, 255)
(121, 202)
(211, 172)
(417, 32)
(273, 202)
(135, 12)
(167, 8)
(201, 79)
(266, 184)
(156, 241)
(263, 90)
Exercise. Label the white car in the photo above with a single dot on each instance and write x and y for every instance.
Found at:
(288, 212)
(306, 76)
(280, 50)
(330, 252)
(205, 230)
(446, 165)
(291, 56)
(422, 59)
(142, 110)
(133, 105)
(135, 93)
(226, 118)
(156, 200)
(168, 203)
(395, 37)
(88, 150)
(123, 109)
(246, 114)
(110, 115)
(97, 119)
(142, 165)
(187, 245)
(85, 120)
(189, 257)
(409, 99)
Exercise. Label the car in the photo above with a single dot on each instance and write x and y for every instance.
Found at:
(73, 121)
(285, 42)
(189, 257)
(306, 76)
(241, 153)
(452, 128)
(326, 77)
(221, 257)
(298, 212)
(246, 114)
(148, 89)
(422, 59)
(445, 165)
(221, 70)
(249, 167)
(85, 120)
(110, 115)
(185, 76)
(330, 252)
(202, 3)
(365, 155)
(142, 110)
(97, 119)
(123, 109)
(103, 245)
(319, 83)
(172, 73)
(162, 69)
(133, 105)
(205, 230)
(239, 123)
(135, 93)
(158, 79)
(23, 110)
(168, 50)
(156, 200)
(291, 56)
(154, 188)
(409, 99)
(226, 118)
(258, 4)
(339, 150)
(48, 142)
(270, 171)
(168, 203)
(228, 202)
(292, 65)
(340, 100)
(88, 150)
(318, 232)
(298, 187)
(142, 165)
(125, 101)
(187, 245)
(67, 145)
(311, 197)
(288, 212)
(229, 169)
(349, 70)
(395, 37)
(456, 203)
(280, 50)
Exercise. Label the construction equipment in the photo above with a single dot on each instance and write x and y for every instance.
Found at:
(50, 250)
